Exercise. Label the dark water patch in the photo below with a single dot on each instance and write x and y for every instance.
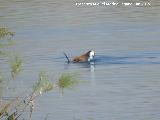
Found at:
(137, 58)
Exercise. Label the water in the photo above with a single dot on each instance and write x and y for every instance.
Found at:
(122, 84)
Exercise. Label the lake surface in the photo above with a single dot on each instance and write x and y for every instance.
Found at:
(124, 81)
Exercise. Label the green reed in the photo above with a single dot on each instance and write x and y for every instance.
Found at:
(5, 32)
(43, 84)
(68, 81)
(14, 108)
(16, 66)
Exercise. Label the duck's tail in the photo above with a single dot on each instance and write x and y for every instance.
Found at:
(66, 57)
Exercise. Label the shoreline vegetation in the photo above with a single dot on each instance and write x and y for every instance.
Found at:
(15, 108)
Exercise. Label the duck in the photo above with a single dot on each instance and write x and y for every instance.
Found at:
(86, 57)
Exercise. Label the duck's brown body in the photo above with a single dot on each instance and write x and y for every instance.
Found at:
(87, 57)
(82, 58)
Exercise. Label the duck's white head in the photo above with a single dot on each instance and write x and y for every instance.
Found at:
(91, 55)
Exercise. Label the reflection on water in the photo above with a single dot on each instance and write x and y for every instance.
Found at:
(92, 69)
(123, 83)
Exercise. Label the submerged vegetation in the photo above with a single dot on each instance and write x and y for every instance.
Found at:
(14, 108)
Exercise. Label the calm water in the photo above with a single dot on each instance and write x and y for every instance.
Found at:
(124, 82)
